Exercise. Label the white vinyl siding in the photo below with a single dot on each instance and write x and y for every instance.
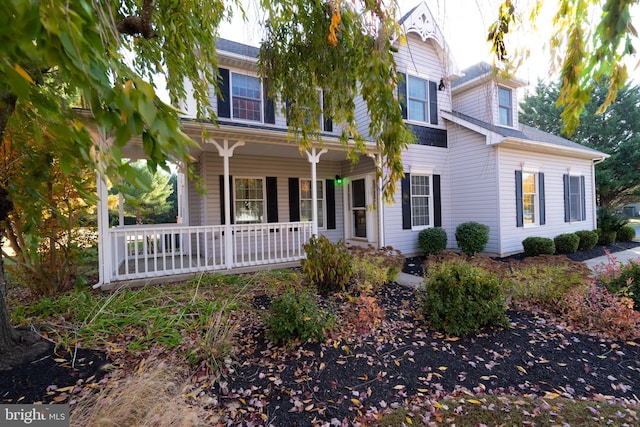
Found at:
(555, 167)
(280, 168)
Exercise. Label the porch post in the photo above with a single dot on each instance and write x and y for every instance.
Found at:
(314, 159)
(104, 239)
(225, 152)
(120, 209)
(377, 158)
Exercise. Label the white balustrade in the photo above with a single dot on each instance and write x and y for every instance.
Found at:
(161, 250)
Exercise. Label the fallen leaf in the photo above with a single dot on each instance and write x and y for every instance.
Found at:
(474, 401)
(521, 369)
(442, 368)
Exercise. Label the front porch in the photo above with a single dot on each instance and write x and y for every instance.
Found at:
(252, 183)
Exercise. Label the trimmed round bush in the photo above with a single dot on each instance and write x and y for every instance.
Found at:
(566, 243)
(626, 233)
(534, 246)
(460, 299)
(432, 241)
(606, 237)
(588, 239)
(472, 237)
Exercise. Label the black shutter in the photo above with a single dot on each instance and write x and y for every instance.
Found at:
(272, 199)
(433, 103)
(567, 210)
(583, 196)
(269, 105)
(519, 201)
(402, 93)
(328, 123)
(222, 204)
(405, 185)
(437, 202)
(541, 199)
(331, 204)
(224, 95)
(294, 200)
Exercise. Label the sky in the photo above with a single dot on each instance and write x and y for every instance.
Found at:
(464, 24)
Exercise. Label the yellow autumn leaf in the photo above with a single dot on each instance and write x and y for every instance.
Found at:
(309, 408)
(474, 401)
(632, 343)
(63, 389)
(521, 369)
(442, 368)
(437, 405)
(244, 402)
(356, 402)
(408, 420)
(398, 387)
(423, 390)
(452, 338)
(23, 73)
(59, 360)
(550, 395)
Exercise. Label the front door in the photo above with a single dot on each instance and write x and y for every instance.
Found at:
(359, 208)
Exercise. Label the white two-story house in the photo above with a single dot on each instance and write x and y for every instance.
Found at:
(472, 161)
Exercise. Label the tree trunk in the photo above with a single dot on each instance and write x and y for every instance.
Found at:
(8, 337)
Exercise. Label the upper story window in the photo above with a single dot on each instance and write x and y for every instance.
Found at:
(247, 97)
(505, 106)
(418, 101)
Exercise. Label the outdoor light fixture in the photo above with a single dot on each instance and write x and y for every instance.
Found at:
(338, 180)
(441, 85)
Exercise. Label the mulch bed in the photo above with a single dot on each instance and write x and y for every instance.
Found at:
(352, 376)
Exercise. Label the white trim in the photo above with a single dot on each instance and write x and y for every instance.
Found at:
(512, 110)
(324, 200)
(429, 201)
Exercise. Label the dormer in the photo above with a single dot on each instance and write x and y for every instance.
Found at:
(483, 93)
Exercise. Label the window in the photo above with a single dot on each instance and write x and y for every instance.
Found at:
(417, 99)
(530, 200)
(249, 200)
(574, 198)
(420, 195)
(247, 97)
(529, 197)
(306, 201)
(505, 107)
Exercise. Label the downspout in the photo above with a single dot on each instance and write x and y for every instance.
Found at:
(593, 191)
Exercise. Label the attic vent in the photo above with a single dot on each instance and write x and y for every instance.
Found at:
(424, 18)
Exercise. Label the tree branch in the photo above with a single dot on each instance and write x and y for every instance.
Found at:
(139, 26)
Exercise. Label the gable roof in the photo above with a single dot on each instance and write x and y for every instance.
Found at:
(224, 45)
(524, 134)
(480, 73)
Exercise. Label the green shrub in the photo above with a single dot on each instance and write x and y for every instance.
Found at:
(534, 246)
(627, 281)
(588, 239)
(626, 233)
(472, 237)
(460, 298)
(609, 220)
(372, 268)
(566, 243)
(432, 241)
(606, 237)
(327, 265)
(545, 283)
(296, 315)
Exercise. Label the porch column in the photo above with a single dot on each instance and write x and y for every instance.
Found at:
(120, 209)
(104, 239)
(377, 159)
(226, 152)
(314, 158)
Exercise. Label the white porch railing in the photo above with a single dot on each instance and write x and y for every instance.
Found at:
(139, 252)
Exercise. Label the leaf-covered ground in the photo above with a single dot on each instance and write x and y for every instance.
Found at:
(350, 378)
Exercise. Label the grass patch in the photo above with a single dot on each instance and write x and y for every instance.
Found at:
(511, 410)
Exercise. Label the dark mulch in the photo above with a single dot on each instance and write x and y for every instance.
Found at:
(352, 375)
(413, 265)
(54, 377)
(348, 378)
